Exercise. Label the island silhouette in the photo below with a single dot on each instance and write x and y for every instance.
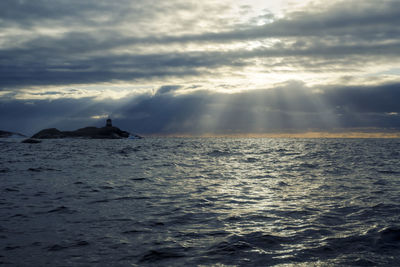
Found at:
(106, 132)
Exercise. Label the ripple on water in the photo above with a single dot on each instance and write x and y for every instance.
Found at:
(191, 202)
(162, 254)
(64, 246)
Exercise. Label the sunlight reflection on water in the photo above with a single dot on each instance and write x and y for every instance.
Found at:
(200, 201)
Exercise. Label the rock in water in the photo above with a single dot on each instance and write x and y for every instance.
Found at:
(5, 134)
(88, 132)
(107, 132)
(31, 141)
(49, 134)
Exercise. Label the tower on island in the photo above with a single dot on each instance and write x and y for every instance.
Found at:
(108, 123)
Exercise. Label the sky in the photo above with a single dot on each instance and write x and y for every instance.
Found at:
(211, 67)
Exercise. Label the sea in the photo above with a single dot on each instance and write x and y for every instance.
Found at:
(200, 202)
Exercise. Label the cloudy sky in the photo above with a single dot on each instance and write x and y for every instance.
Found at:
(185, 67)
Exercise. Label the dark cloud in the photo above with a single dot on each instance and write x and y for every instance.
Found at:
(21, 67)
(342, 36)
(30, 14)
(366, 99)
(168, 89)
(103, 68)
(292, 107)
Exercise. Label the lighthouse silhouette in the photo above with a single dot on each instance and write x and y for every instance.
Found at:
(108, 123)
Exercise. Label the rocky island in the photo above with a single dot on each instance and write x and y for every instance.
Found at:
(107, 132)
(6, 134)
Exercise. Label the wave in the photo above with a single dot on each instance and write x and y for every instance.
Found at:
(162, 254)
(59, 247)
(219, 153)
(62, 209)
(193, 202)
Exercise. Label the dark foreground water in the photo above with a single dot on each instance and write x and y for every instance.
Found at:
(190, 202)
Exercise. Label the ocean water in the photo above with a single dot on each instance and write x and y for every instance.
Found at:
(200, 202)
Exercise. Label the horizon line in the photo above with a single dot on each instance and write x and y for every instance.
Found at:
(349, 135)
